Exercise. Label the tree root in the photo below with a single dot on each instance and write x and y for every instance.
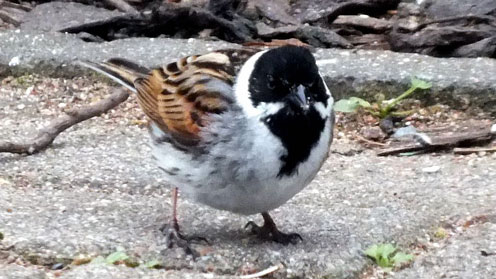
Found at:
(48, 134)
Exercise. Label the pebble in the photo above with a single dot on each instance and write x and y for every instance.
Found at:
(432, 169)
(57, 266)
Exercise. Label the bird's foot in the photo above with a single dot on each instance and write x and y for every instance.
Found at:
(173, 237)
(270, 232)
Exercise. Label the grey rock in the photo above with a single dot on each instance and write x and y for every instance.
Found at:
(404, 131)
(55, 53)
(264, 30)
(449, 8)
(364, 22)
(315, 10)
(372, 133)
(436, 37)
(54, 16)
(313, 35)
(460, 82)
(276, 11)
(408, 9)
(483, 48)
(321, 37)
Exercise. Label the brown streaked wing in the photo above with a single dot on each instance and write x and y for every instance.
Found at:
(177, 96)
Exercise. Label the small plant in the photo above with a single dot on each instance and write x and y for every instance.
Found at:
(381, 108)
(387, 256)
(440, 233)
(153, 264)
(116, 257)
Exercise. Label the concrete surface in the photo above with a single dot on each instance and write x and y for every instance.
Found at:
(461, 256)
(461, 82)
(97, 191)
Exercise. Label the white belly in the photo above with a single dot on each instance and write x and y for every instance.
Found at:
(241, 177)
(266, 192)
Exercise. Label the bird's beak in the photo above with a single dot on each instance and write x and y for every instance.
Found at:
(299, 98)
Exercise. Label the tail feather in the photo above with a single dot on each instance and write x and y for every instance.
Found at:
(120, 70)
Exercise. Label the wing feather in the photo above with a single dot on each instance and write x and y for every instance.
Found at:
(179, 96)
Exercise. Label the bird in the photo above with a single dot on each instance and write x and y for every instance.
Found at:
(242, 130)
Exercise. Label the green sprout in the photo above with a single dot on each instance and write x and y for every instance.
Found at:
(380, 108)
(153, 264)
(387, 256)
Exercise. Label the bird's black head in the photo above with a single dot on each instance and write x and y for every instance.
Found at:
(286, 89)
(287, 75)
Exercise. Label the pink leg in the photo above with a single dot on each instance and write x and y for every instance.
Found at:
(174, 208)
(171, 231)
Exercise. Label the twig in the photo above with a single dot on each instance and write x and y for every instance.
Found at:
(465, 151)
(360, 138)
(122, 5)
(48, 134)
(403, 149)
(428, 144)
(263, 272)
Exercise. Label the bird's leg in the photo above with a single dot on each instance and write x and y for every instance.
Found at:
(172, 234)
(269, 231)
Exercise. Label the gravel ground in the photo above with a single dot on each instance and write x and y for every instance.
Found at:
(470, 253)
(96, 191)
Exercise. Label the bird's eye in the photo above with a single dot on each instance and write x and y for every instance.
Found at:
(314, 82)
(271, 83)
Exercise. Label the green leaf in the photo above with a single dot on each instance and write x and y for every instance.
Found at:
(381, 254)
(401, 258)
(386, 250)
(361, 102)
(98, 260)
(351, 104)
(153, 264)
(418, 83)
(345, 105)
(116, 257)
(372, 251)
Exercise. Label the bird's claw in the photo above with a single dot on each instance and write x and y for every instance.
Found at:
(174, 237)
(272, 233)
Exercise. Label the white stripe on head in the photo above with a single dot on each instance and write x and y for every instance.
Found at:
(325, 111)
(242, 90)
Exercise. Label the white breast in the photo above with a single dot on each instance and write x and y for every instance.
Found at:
(240, 171)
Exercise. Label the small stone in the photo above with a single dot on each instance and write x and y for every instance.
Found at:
(21, 106)
(14, 61)
(373, 133)
(57, 266)
(432, 169)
